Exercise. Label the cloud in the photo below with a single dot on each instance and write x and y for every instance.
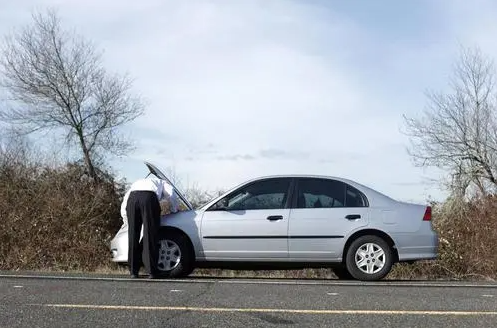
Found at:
(278, 87)
(235, 157)
(270, 154)
(283, 154)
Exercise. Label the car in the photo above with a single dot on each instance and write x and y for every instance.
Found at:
(292, 221)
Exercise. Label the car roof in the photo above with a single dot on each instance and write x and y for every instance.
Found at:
(297, 176)
(317, 176)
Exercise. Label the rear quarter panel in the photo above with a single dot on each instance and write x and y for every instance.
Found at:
(414, 238)
(399, 217)
(391, 215)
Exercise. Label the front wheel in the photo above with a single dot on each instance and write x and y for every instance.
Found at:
(175, 255)
(369, 258)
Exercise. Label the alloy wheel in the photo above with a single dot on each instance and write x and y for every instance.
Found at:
(370, 258)
(169, 255)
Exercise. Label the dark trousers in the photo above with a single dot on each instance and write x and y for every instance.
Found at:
(143, 208)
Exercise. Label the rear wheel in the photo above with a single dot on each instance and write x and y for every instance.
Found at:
(369, 258)
(176, 257)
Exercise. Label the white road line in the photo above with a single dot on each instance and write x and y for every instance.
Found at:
(332, 294)
(486, 295)
(384, 283)
(17, 286)
(301, 311)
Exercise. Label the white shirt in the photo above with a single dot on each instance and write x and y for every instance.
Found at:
(161, 188)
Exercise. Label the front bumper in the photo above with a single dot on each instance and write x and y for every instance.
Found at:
(119, 245)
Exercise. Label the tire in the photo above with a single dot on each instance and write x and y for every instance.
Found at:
(353, 259)
(180, 261)
(342, 273)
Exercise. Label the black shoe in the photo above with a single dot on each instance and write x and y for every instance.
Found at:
(152, 276)
(134, 276)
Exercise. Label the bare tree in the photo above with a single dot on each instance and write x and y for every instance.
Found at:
(56, 79)
(458, 130)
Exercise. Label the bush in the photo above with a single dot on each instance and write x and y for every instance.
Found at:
(55, 218)
(467, 230)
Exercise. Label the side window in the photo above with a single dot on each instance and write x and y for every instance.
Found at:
(266, 194)
(355, 198)
(326, 193)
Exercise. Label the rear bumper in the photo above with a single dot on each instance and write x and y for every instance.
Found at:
(414, 247)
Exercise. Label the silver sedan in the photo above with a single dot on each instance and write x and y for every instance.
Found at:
(293, 221)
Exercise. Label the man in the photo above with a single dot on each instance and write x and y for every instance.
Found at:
(141, 206)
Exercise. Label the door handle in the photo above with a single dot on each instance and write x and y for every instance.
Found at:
(353, 216)
(274, 217)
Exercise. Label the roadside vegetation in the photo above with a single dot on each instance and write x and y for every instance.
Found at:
(60, 212)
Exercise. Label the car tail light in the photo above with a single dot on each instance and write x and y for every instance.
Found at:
(427, 216)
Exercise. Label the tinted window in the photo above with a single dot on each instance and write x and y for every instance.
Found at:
(325, 193)
(266, 194)
(355, 198)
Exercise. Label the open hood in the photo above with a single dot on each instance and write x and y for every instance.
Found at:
(155, 171)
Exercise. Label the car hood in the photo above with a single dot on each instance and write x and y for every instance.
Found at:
(180, 218)
(158, 173)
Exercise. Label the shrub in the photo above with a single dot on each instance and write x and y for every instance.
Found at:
(55, 218)
(467, 230)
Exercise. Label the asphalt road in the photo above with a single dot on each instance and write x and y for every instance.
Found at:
(120, 302)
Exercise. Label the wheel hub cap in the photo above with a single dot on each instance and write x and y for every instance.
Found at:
(370, 258)
(169, 255)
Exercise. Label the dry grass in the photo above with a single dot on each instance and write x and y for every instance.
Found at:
(467, 230)
(54, 218)
(276, 274)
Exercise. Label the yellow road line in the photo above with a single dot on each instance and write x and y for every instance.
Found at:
(290, 311)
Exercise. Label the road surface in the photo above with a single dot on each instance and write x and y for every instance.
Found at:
(120, 302)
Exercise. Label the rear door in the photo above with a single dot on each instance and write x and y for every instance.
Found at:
(324, 212)
(249, 223)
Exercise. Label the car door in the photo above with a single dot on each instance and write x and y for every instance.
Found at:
(249, 223)
(324, 212)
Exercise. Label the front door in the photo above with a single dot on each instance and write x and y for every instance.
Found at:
(249, 223)
(325, 212)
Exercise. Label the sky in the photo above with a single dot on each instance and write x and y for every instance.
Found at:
(241, 89)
